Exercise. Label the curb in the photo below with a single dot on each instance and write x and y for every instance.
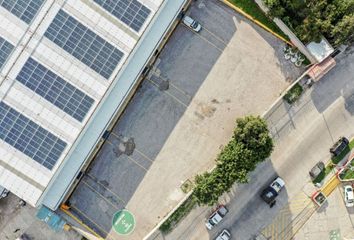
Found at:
(167, 216)
(226, 2)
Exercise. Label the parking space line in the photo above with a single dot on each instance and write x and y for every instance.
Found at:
(89, 175)
(82, 213)
(212, 44)
(81, 223)
(174, 86)
(141, 153)
(104, 198)
(179, 101)
(132, 159)
(215, 36)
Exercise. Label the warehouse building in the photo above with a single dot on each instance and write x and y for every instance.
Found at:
(68, 67)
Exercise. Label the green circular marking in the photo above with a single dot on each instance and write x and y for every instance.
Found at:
(123, 222)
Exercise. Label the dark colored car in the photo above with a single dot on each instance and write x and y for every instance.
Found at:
(269, 195)
(317, 170)
(339, 146)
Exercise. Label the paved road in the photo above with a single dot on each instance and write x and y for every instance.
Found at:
(303, 135)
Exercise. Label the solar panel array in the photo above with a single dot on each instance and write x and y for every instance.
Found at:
(29, 138)
(83, 44)
(55, 89)
(26, 10)
(131, 12)
(5, 50)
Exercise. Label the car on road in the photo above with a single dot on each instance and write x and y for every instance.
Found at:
(348, 196)
(272, 191)
(339, 146)
(191, 23)
(224, 235)
(216, 217)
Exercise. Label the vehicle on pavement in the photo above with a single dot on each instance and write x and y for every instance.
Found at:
(3, 192)
(224, 235)
(191, 23)
(317, 170)
(270, 193)
(339, 146)
(216, 217)
(348, 196)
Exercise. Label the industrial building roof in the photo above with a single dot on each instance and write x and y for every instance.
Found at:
(60, 63)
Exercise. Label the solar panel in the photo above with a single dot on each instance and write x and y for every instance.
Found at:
(131, 12)
(55, 89)
(29, 138)
(83, 44)
(5, 50)
(26, 10)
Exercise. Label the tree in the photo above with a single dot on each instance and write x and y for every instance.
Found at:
(250, 144)
(207, 188)
(312, 19)
(252, 134)
(344, 30)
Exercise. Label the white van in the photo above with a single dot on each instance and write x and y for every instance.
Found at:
(191, 23)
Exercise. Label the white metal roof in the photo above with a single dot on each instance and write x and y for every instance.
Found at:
(20, 173)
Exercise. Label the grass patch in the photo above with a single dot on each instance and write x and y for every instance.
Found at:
(178, 215)
(293, 94)
(323, 174)
(348, 173)
(250, 7)
(187, 186)
(338, 158)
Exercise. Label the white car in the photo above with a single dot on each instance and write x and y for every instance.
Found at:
(348, 196)
(216, 217)
(224, 235)
(191, 23)
(277, 184)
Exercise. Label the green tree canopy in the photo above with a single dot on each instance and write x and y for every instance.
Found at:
(250, 144)
(312, 19)
(252, 134)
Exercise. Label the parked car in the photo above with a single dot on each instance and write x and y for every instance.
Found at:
(216, 217)
(191, 23)
(224, 235)
(317, 170)
(270, 193)
(348, 196)
(339, 146)
(3, 192)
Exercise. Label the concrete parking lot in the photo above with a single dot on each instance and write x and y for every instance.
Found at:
(181, 115)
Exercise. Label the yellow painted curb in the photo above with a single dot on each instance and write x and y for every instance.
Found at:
(239, 10)
(81, 223)
(328, 188)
